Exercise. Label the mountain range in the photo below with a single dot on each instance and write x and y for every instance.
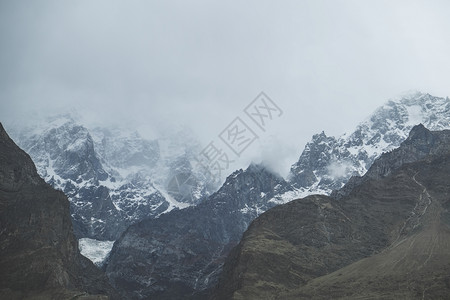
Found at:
(180, 265)
(386, 236)
(180, 254)
(113, 177)
(327, 162)
(172, 242)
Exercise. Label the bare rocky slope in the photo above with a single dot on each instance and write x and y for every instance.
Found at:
(115, 178)
(171, 272)
(39, 256)
(385, 237)
(180, 254)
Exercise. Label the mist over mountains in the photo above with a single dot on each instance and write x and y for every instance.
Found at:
(113, 176)
(190, 270)
(328, 162)
(175, 233)
(150, 196)
(385, 235)
(224, 150)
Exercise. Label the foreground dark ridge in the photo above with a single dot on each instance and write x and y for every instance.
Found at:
(387, 237)
(39, 257)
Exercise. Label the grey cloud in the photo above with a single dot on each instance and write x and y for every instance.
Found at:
(326, 63)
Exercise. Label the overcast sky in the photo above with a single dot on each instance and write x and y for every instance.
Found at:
(326, 64)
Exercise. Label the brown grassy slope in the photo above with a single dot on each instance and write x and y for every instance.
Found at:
(388, 239)
(414, 266)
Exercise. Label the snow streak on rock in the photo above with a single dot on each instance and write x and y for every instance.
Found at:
(327, 163)
(112, 176)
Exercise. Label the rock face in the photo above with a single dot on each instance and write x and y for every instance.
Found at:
(113, 177)
(327, 163)
(39, 254)
(180, 254)
(386, 237)
(420, 143)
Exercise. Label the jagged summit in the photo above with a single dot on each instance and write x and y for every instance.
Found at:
(419, 133)
(421, 143)
(387, 237)
(327, 163)
(262, 168)
(188, 246)
(113, 176)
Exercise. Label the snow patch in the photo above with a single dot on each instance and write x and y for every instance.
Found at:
(289, 196)
(95, 250)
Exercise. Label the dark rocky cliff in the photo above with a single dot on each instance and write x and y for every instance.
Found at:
(39, 255)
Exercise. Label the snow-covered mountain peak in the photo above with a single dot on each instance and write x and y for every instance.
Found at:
(112, 175)
(328, 162)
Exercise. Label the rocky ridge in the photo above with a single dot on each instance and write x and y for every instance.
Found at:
(39, 257)
(180, 254)
(386, 237)
(113, 177)
(260, 201)
(327, 162)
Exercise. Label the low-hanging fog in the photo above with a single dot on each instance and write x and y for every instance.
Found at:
(159, 65)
